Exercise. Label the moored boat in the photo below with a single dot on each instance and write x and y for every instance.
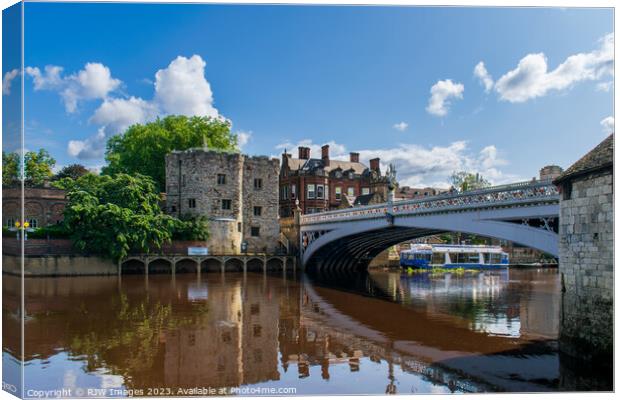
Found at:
(453, 256)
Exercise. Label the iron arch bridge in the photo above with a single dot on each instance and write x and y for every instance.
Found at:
(525, 213)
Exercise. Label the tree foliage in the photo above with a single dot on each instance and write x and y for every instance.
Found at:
(38, 167)
(73, 171)
(116, 215)
(142, 148)
(10, 168)
(464, 181)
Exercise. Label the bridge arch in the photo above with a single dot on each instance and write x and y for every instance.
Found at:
(351, 238)
(133, 266)
(160, 265)
(187, 265)
(211, 264)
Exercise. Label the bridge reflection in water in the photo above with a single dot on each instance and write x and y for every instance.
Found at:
(373, 333)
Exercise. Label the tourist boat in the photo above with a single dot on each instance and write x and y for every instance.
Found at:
(453, 256)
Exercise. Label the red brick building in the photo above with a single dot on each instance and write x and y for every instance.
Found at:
(320, 184)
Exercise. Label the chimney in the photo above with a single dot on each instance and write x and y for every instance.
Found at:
(325, 154)
(304, 153)
(374, 165)
(354, 157)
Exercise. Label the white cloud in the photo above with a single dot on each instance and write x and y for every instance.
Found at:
(531, 78)
(401, 126)
(608, 125)
(50, 79)
(92, 147)
(93, 82)
(243, 138)
(6, 81)
(605, 86)
(441, 93)
(423, 166)
(482, 74)
(116, 115)
(182, 88)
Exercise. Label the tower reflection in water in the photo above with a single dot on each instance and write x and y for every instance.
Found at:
(398, 333)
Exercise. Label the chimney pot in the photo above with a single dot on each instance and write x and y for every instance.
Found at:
(374, 164)
(325, 154)
(304, 152)
(354, 157)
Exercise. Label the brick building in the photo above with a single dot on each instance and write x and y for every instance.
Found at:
(42, 206)
(238, 193)
(320, 184)
(408, 193)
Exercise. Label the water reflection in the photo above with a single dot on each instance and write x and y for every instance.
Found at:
(383, 332)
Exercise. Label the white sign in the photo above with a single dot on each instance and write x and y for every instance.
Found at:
(197, 251)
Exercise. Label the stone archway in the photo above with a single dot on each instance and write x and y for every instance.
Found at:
(211, 265)
(160, 266)
(186, 265)
(255, 265)
(133, 266)
(233, 265)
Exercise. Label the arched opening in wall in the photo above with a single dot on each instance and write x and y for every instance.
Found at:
(160, 266)
(274, 264)
(234, 265)
(186, 266)
(132, 267)
(255, 265)
(211, 265)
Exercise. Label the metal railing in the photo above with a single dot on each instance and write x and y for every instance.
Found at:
(492, 196)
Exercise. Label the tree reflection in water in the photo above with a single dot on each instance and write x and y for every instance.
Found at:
(371, 333)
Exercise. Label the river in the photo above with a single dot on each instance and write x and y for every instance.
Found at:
(375, 333)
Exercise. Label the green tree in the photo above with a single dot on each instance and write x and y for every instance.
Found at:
(464, 181)
(142, 148)
(115, 215)
(10, 168)
(73, 171)
(38, 167)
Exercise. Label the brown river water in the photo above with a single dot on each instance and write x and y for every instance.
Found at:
(375, 333)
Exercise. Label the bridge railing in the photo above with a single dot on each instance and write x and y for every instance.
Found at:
(491, 196)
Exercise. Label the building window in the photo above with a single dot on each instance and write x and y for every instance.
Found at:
(173, 208)
(257, 330)
(221, 179)
(350, 191)
(258, 184)
(10, 222)
(338, 192)
(238, 226)
(320, 191)
(311, 192)
(285, 192)
(191, 203)
(226, 204)
(255, 231)
(293, 191)
(258, 211)
(351, 175)
(365, 190)
(183, 180)
(34, 223)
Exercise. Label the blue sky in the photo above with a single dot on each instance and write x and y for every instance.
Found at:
(359, 78)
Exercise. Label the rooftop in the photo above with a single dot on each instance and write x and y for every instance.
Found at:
(601, 157)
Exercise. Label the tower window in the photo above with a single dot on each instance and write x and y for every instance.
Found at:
(221, 179)
(191, 203)
(226, 204)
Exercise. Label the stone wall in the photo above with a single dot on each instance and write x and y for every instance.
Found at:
(221, 186)
(59, 265)
(42, 206)
(586, 267)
